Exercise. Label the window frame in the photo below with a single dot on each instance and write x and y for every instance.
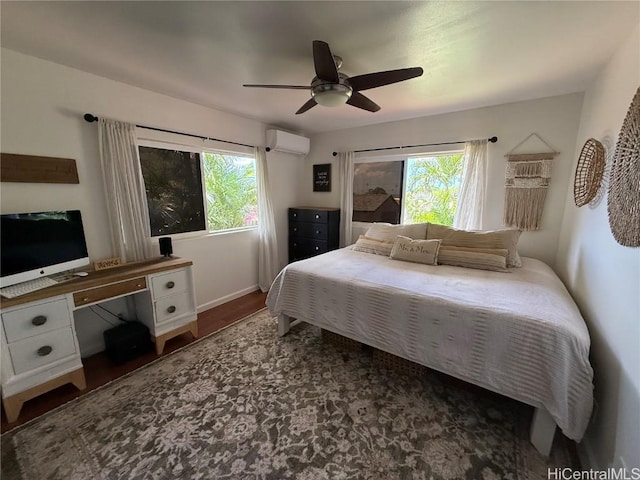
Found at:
(375, 157)
(241, 152)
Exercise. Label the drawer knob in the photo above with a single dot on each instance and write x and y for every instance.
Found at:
(317, 248)
(317, 216)
(295, 214)
(295, 229)
(39, 320)
(317, 232)
(44, 351)
(171, 284)
(85, 299)
(171, 309)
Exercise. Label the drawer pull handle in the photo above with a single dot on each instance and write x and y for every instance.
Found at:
(171, 309)
(44, 351)
(171, 284)
(39, 320)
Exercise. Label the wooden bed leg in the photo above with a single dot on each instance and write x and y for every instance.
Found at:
(543, 429)
(284, 322)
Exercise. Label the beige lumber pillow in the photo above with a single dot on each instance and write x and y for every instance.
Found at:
(388, 232)
(503, 239)
(494, 259)
(417, 251)
(371, 245)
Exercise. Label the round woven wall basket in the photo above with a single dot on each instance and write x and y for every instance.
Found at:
(623, 202)
(589, 172)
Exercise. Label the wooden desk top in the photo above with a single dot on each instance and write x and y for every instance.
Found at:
(99, 278)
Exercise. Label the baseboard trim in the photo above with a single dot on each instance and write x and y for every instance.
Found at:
(227, 298)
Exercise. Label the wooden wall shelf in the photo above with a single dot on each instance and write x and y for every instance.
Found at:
(36, 169)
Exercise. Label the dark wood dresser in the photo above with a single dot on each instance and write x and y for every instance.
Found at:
(312, 231)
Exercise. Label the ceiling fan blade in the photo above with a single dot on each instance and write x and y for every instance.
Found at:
(324, 63)
(378, 79)
(295, 87)
(360, 101)
(310, 104)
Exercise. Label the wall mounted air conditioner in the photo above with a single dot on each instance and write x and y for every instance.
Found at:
(287, 142)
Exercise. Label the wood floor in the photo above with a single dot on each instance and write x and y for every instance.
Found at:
(99, 370)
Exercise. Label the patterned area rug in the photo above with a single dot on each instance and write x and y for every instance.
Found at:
(243, 403)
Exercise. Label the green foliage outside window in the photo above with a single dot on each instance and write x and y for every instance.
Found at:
(433, 186)
(231, 192)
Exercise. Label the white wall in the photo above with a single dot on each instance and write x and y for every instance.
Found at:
(42, 108)
(555, 119)
(604, 277)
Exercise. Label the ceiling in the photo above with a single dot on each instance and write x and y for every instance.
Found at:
(473, 54)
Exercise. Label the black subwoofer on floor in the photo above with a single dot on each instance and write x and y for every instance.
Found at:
(127, 341)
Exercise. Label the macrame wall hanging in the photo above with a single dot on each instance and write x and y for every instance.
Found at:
(526, 184)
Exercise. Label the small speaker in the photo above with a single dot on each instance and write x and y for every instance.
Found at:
(165, 246)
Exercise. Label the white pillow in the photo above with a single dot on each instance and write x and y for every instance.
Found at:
(494, 259)
(388, 232)
(505, 238)
(417, 251)
(371, 245)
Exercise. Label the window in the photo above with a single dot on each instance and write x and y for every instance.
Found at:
(232, 196)
(205, 191)
(377, 191)
(433, 185)
(414, 189)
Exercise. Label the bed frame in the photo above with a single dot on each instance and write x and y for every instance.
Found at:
(543, 427)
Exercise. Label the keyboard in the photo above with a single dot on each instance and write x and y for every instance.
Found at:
(27, 287)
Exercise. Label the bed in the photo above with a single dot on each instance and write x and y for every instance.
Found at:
(519, 333)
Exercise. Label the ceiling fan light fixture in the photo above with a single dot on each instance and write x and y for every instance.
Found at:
(331, 94)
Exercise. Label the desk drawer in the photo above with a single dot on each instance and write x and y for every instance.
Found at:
(35, 319)
(93, 295)
(172, 307)
(41, 350)
(169, 283)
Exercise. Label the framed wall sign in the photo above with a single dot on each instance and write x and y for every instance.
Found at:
(322, 178)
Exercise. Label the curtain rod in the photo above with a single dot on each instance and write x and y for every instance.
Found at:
(92, 118)
(491, 140)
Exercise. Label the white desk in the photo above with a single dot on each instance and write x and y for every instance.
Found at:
(40, 349)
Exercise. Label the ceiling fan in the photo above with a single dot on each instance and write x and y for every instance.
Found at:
(331, 88)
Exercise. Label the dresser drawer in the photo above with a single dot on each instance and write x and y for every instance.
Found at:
(318, 231)
(172, 307)
(109, 291)
(300, 248)
(36, 319)
(41, 350)
(303, 215)
(169, 283)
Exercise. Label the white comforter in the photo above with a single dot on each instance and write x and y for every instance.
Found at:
(519, 334)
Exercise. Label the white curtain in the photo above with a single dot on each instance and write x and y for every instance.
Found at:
(471, 200)
(346, 160)
(124, 190)
(268, 243)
